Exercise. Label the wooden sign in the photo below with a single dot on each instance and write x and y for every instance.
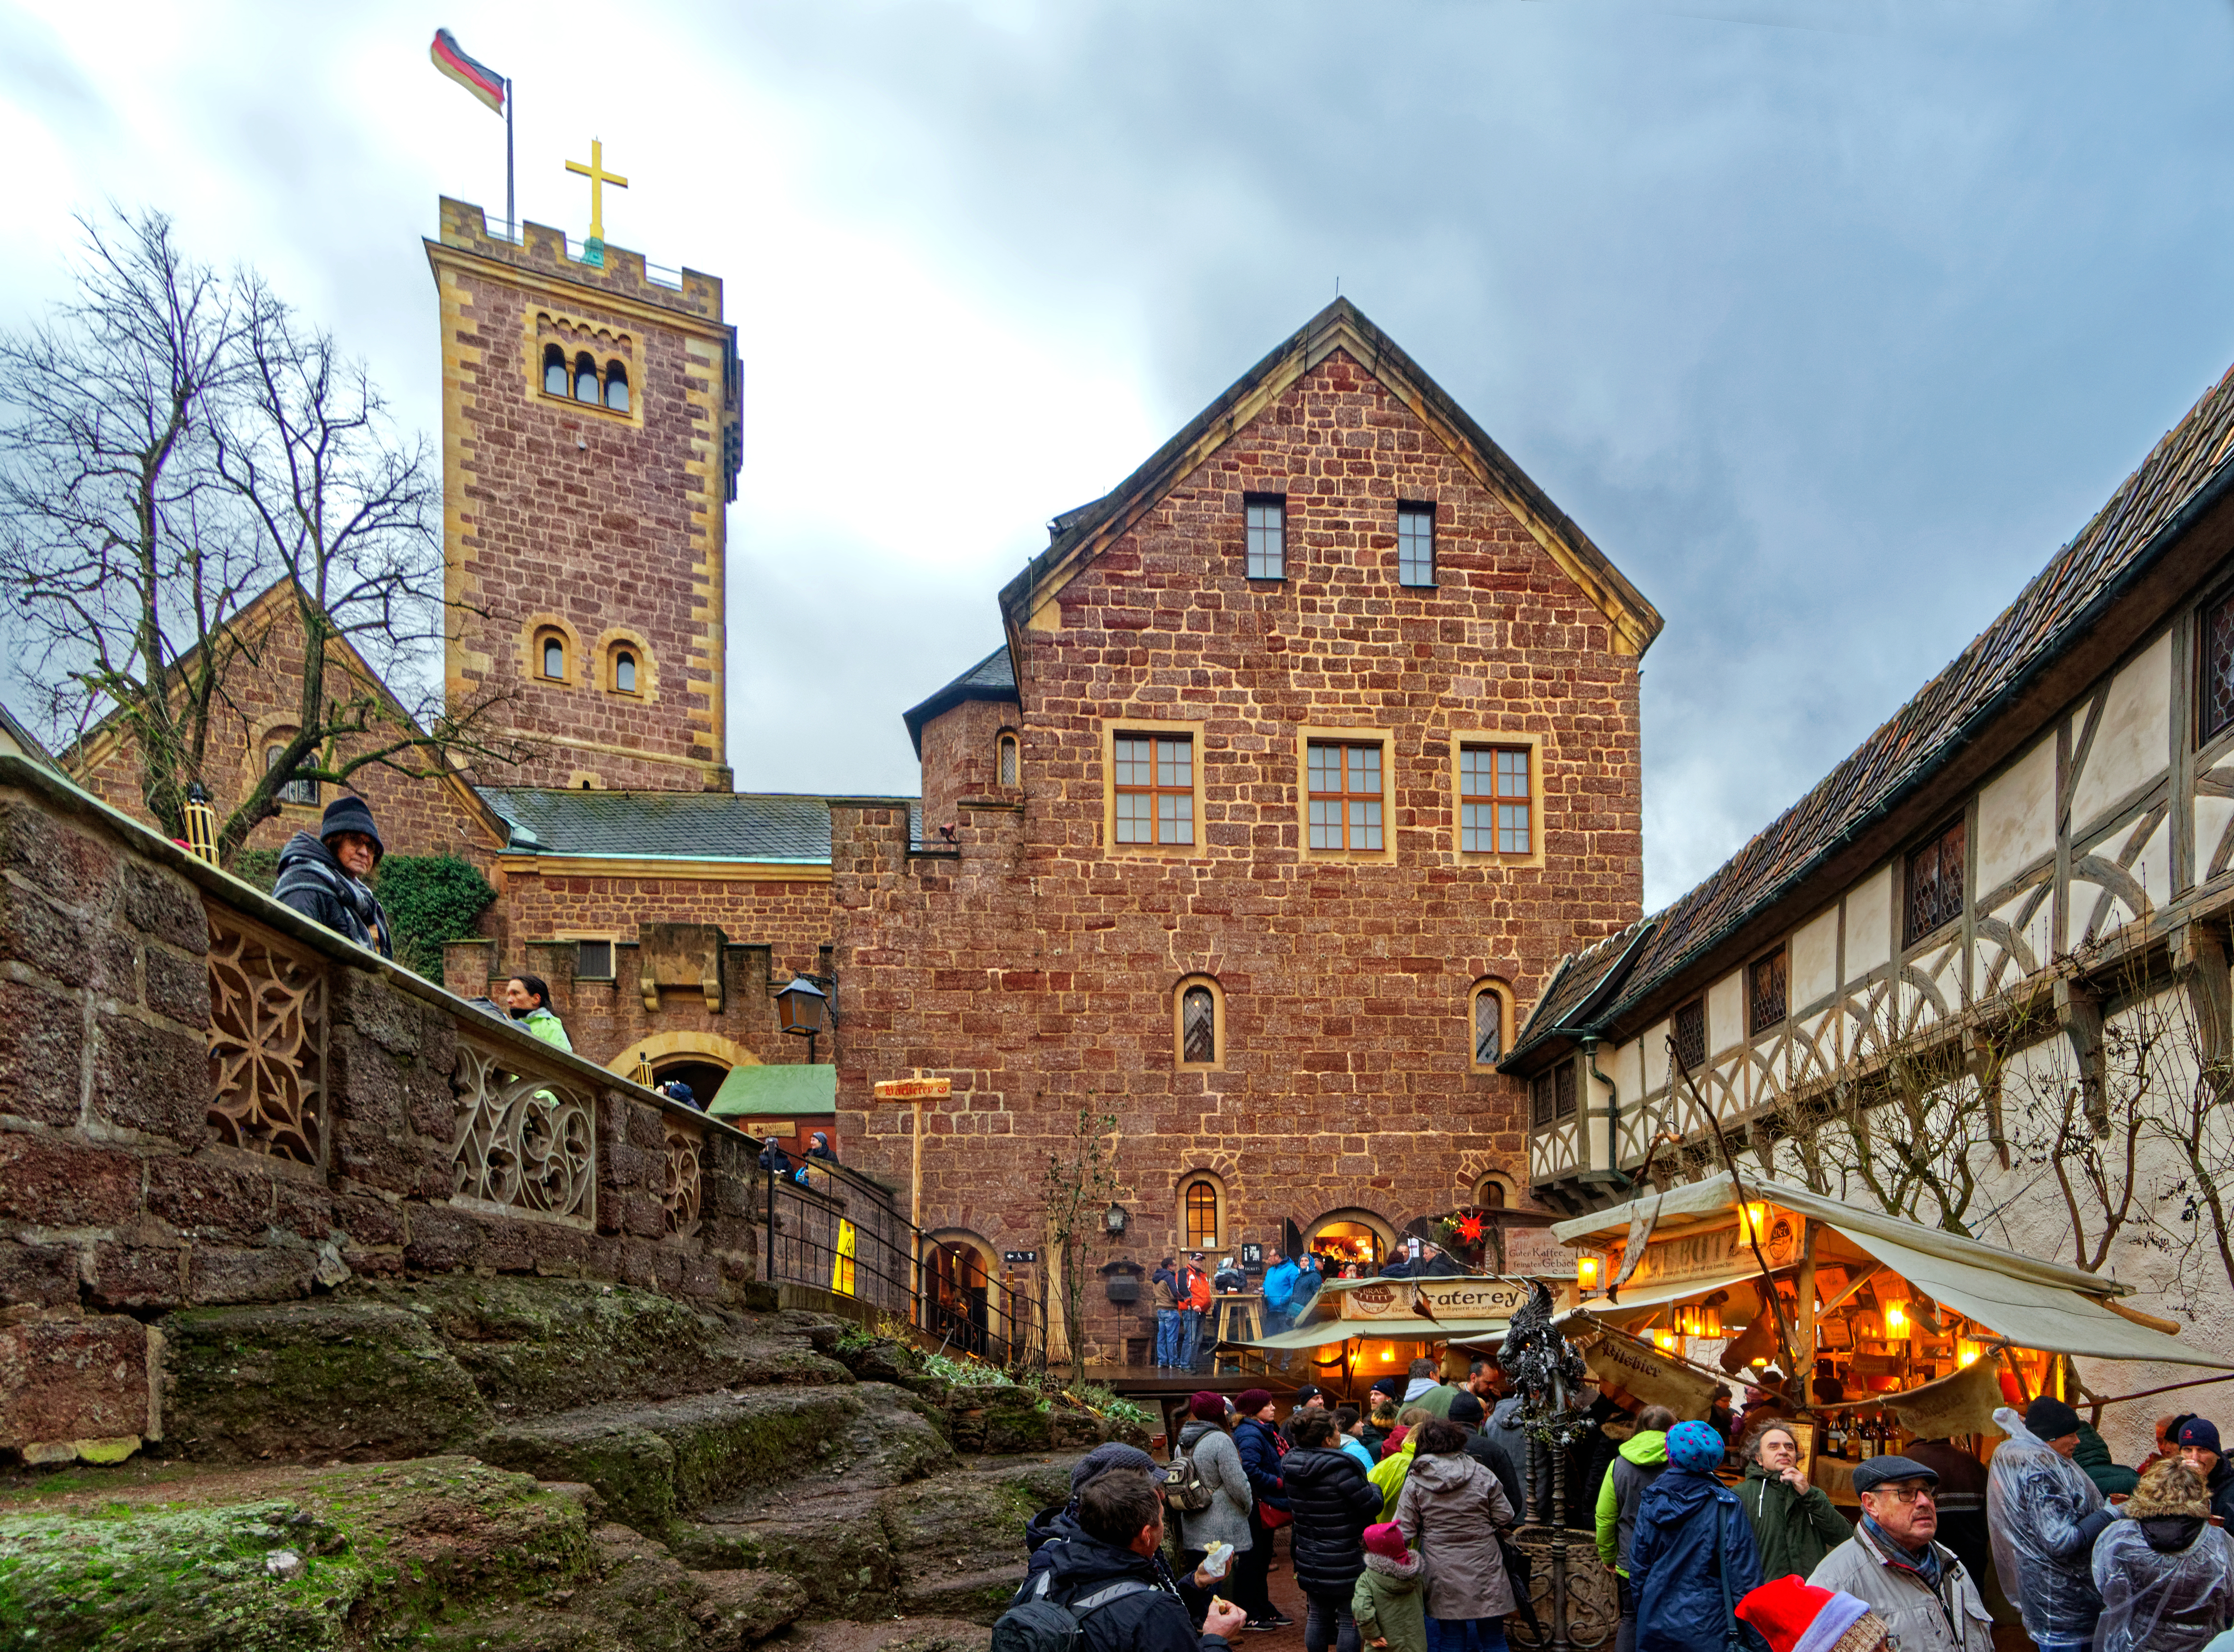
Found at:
(913, 1089)
(1721, 1252)
(1462, 1299)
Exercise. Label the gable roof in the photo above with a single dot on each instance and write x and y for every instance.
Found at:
(1079, 535)
(993, 678)
(2188, 472)
(666, 825)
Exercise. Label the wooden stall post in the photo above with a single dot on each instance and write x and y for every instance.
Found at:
(1804, 1327)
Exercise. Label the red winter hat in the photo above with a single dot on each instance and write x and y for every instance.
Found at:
(1385, 1539)
(1207, 1407)
(1250, 1402)
(1793, 1615)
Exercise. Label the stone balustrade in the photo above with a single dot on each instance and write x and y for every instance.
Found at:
(206, 1099)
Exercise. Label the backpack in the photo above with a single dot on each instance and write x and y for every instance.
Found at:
(1184, 1485)
(1038, 1624)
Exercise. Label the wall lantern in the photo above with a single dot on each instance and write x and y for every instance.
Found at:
(1113, 1219)
(803, 1010)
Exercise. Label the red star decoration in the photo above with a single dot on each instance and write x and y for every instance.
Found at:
(1470, 1229)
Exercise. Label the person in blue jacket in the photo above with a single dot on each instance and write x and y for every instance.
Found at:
(1279, 1291)
(1257, 1436)
(1691, 1554)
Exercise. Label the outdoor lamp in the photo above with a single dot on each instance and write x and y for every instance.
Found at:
(1113, 1219)
(801, 1007)
(1752, 1219)
(1666, 1340)
(1967, 1353)
(1586, 1273)
(1896, 1320)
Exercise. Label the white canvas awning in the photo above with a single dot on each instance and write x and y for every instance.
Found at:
(1325, 1332)
(1660, 1292)
(2032, 1303)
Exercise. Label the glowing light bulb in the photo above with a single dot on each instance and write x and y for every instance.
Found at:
(1895, 1320)
(1666, 1340)
(1586, 1272)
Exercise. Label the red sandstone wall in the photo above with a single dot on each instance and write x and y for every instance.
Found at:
(1037, 968)
(961, 759)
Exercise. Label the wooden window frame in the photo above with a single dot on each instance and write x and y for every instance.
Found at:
(1179, 990)
(1416, 509)
(1496, 989)
(1156, 728)
(1935, 847)
(1188, 1183)
(613, 652)
(1252, 502)
(2205, 734)
(1756, 1024)
(1566, 1091)
(1465, 739)
(1540, 1100)
(1310, 736)
(1675, 1036)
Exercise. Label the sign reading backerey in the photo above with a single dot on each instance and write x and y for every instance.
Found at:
(1722, 1250)
(1445, 1299)
(913, 1089)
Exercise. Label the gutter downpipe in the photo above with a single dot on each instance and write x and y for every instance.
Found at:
(1589, 1041)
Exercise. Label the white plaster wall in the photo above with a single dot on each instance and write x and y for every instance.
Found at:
(2132, 744)
(1868, 923)
(1726, 1012)
(1656, 1058)
(2016, 816)
(1815, 959)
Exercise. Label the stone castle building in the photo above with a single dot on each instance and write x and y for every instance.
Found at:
(1311, 747)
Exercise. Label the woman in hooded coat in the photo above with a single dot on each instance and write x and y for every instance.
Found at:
(1451, 1510)
(2165, 1572)
(1332, 1503)
(1206, 1444)
(1691, 1554)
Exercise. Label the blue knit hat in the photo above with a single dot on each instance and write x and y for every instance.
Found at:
(1695, 1447)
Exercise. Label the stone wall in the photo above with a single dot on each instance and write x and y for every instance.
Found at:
(204, 1100)
(1038, 964)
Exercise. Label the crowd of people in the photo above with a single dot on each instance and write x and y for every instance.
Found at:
(1399, 1516)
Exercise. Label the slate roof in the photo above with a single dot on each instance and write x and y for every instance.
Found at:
(667, 826)
(993, 678)
(2187, 472)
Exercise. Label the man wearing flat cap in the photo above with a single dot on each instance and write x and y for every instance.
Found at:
(2043, 1513)
(1893, 1563)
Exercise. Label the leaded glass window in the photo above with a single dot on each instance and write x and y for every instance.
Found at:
(1488, 1027)
(1198, 1027)
(1765, 1005)
(1562, 1089)
(1934, 884)
(2219, 670)
(1691, 1036)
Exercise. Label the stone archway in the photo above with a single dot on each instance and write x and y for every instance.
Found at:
(960, 1276)
(667, 1050)
(1355, 1236)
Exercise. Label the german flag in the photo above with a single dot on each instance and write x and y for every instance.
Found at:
(480, 79)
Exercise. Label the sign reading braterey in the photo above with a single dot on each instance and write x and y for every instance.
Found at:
(1445, 1298)
(1721, 1250)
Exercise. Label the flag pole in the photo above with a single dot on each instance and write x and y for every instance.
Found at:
(511, 222)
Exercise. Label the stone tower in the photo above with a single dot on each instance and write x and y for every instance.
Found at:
(590, 443)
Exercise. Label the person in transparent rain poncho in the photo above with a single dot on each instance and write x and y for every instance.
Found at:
(2164, 1572)
(2044, 1514)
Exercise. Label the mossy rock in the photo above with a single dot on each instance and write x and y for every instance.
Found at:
(351, 1379)
(1017, 1428)
(325, 1558)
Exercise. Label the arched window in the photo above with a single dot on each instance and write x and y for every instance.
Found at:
(1199, 1023)
(624, 671)
(1008, 769)
(1491, 1194)
(554, 371)
(551, 656)
(1489, 1019)
(294, 791)
(585, 379)
(616, 387)
(1201, 1212)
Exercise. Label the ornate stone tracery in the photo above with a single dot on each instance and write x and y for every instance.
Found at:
(525, 1142)
(684, 1194)
(267, 1041)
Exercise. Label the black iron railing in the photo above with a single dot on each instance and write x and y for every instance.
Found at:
(833, 1229)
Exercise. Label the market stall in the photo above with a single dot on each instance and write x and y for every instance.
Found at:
(1872, 1331)
(1358, 1330)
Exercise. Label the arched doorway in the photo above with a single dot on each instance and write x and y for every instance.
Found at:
(700, 1060)
(1345, 1239)
(704, 1076)
(958, 1277)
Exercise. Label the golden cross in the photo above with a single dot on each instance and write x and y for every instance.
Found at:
(599, 177)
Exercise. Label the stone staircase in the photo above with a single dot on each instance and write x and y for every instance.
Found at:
(654, 1477)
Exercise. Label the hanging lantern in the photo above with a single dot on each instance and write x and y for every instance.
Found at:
(201, 823)
(1967, 1353)
(1895, 1321)
(1713, 1323)
(1665, 1340)
(1587, 1270)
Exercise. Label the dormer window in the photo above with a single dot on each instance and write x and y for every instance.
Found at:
(585, 380)
(554, 371)
(616, 387)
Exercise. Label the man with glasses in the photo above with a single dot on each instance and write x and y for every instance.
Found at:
(1917, 1585)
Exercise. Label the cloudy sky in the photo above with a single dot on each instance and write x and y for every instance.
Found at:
(1829, 320)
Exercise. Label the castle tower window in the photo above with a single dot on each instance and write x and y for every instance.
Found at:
(585, 380)
(617, 388)
(554, 371)
(551, 656)
(624, 672)
(1007, 756)
(1199, 1029)
(1490, 1008)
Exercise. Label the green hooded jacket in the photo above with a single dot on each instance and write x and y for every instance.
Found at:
(1641, 1457)
(1794, 1530)
(548, 1027)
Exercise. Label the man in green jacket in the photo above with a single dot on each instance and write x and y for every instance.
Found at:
(1793, 1520)
(1636, 1465)
(528, 999)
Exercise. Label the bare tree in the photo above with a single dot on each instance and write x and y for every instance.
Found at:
(117, 541)
(1077, 1179)
(172, 445)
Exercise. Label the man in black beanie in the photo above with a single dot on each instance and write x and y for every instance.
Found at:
(324, 877)
(2044, 1513)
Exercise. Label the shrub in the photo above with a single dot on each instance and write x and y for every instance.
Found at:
(256, 866)
(430, 899)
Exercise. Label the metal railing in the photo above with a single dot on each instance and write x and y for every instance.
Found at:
(834, 1230)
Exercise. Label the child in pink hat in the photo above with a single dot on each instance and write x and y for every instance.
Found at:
(1793, 1615)
(1390, 1600)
